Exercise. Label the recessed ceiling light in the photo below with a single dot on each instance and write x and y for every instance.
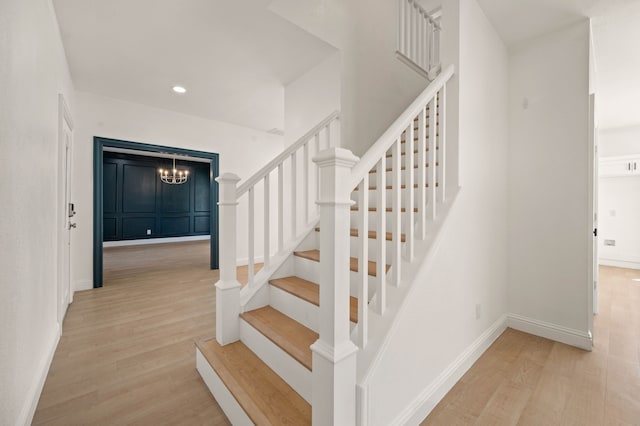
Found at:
(179, 89)
(635, 279)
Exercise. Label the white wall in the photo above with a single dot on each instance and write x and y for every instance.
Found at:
(311, 98)
(33, 71)
(549, 230)
(619, 220)
(438, 320)
(242, 151)
(376, 86)
(619, 141)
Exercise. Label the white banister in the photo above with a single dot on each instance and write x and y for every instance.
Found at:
(410, 170)
(280, 207)
(431, 162)
(382, 145)
(294, 196)
(306, 169)
(267, 223)
(260, 174)
(251, 234)
(422, 172)
(412, 204)
(363, 264)
(381, 231)
(333, 354)
(419, 38)
(396, 215)
(292, 179)
(228, 287)
(442, 127)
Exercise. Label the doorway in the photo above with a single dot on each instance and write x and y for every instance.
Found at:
(65, 208)
(98, 212)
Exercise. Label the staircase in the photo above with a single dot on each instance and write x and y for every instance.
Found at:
(339, 241)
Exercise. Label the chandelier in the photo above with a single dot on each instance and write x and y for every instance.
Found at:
(176, 178)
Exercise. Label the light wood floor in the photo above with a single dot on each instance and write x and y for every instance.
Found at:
(127, 355)
(526, 380)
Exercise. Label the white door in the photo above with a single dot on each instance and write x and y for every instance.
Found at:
(66, 212)
(593, 142)
(596, 174)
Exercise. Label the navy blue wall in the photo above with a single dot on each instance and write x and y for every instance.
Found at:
(135, 200)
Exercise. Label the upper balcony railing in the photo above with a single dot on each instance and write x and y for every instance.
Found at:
(419, 38)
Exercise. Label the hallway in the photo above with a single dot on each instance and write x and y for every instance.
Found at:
(527, 380)
(127, 352)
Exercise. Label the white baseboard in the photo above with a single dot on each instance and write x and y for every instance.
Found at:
(550, 331)
(426, 401)
(146, 241)
(619, 263)
(40, 376)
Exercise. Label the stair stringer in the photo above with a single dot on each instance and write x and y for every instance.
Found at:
(256, 295)
(382, 328)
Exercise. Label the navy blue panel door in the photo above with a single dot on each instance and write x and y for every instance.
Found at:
(136, 204)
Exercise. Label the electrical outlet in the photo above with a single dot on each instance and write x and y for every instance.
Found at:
(478, 310)
(148, 231)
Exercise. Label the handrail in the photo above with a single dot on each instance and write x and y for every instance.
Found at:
(426, 14)
(260, 174)
(384, 142)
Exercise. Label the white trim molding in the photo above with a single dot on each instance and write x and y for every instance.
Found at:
(427, 400)
(40, 376)
(146, 241)
(629, 264)
(558, 333)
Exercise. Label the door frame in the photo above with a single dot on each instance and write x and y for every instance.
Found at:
(592, 256)
(99, 143)
(64, 172)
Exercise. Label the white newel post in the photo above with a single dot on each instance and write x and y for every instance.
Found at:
(334, 355)
(228, 287)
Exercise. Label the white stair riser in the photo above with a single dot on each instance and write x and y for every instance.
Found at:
(310, 271)
(373, 249)
(285, 366)
(389, 176)
(227, 402)
(292, 306)
(373, 202)
(300, 310)
(373, 220)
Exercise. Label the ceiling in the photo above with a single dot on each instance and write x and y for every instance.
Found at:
(233, 57)
(616, 40)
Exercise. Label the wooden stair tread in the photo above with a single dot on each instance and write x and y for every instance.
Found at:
(264, 396)
(353, 262)
(291, 336)
(353, 232)
(388, 209)
(306, 290)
